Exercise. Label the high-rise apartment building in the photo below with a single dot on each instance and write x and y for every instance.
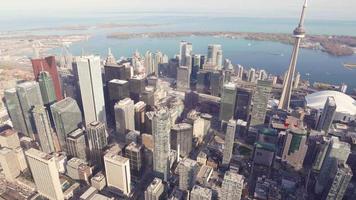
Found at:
(161, 126)
(67, 117)
(155, 190)
(43, 128)
(182, 139)
(45, 174)
(48, 64)
(260, 100)
(229, 141)
(232, 186)
(227, 104)
(88, 72)
(29, 94)
(327, 117)
(118, 176)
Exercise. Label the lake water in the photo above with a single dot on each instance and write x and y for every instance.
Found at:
(272, 56)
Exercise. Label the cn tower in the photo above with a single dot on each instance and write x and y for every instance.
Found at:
(298, 34)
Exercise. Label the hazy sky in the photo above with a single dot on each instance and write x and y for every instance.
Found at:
(330, 9)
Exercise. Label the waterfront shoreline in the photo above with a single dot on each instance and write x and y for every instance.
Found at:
(333, 45)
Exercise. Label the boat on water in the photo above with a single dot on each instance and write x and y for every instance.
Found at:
(349, 65)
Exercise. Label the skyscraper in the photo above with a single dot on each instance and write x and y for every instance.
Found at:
(299, 34)
(9, 165)
(188, 170)
(114, 71)
(118, 174)
(228, 99)
(43, 128)
(137, 85)
(118, 89)
(134, 152)
(161, 126)
(29, 94)
(140, 110)
(201, 193)
(243, 104)
(9, 138)
(182, 138)
(155, 190)
(185, 54)
(260, 101)
(327, 117)
(91, 88)
(214, 55)
(216, 80)
(76, 146)
(232, 186)
(229, 141)
(45, 82)
(97, 139)
(67, 118)
(48, 64)
(45, 174)
(342, 177)
(338, 153)
(295, 147)
(124, 116)
(14, 108)
(183, 78)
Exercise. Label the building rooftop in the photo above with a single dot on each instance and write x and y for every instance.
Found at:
(133, 147)
(116, 158)
(205, 172)
(64, 104)
(5, 151)
(205, 192)
(118, 81)
(188, 162)
(38, 154)
(266, 146)
(233, 176)
(154, 184)
(181, 126)
(268, 131)
(77, 133)
(7, 132)
(98, 177)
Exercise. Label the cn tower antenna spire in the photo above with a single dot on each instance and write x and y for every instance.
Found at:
(298, 34)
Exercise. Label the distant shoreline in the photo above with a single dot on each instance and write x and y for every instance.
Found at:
(333, 45)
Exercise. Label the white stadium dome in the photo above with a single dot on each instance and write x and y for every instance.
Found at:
(345, 105)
